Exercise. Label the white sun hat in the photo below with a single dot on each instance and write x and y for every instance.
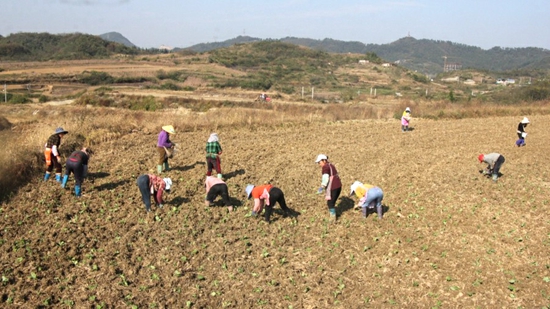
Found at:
(354, 187)
(248, 190)
(168, 183)
(321, 157)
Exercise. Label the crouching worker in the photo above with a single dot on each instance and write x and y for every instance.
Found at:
(266, 195)
(150, 184)
(51, 153)
(494, 162)
(369, 196)
(214, 187)
(77, 163)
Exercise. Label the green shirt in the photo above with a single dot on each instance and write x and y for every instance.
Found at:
(212, 149)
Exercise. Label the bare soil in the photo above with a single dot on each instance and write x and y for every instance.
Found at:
(450, 238)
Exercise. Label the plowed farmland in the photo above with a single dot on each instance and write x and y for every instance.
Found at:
(450, 238)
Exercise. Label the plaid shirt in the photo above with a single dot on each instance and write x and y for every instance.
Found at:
(53, 140)
(212, 149)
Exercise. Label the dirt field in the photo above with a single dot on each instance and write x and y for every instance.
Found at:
(450, 238)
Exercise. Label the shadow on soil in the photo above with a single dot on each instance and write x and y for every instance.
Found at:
(98, 175)
(187, 167)
(178, 201)
(111, 185)
(234, 173)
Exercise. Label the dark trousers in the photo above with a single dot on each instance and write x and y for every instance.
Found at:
(77, 169)
(54, 164)
(143, 185)
(213, 163)
(498, 164)
(219, 189)
(276, 195)
(334, 194)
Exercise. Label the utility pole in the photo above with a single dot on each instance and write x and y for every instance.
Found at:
(444, 63)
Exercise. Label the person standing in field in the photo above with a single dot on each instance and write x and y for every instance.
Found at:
(266, 195)
(51, 153)
(213, 152)
(164, 148)
(494, 162)
(521, 132)
(150, 184)
(369, 197)
(214, 187)
(330, 182)
(77, 163)
(405, 120)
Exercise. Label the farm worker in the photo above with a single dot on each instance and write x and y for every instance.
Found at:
(266, 195)
(213, 152)
(164, 147)
(494, 161)
(369, 196)
(521, 132)
(405, 119)
(214, 187)
(51, 152)
(330, 182)
(150, 184)
(77, 163)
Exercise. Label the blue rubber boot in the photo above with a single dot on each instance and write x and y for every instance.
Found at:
(64, 182)
(46, 176)
(77, 191)
(332, 212)
(166, 166)
(58, 177)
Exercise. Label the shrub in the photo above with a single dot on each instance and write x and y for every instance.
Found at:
(96, 78)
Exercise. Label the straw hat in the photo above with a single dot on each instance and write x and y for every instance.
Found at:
(169, 129)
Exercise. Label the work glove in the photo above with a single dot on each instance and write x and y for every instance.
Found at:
(320, 190)
(160, 205)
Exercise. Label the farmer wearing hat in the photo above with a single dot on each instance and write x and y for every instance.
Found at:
(77, 163)
(165, 148)
(266, 195)
(51, 153)
(494, 162)
(369, 196)
(153, 185)
(214, 187)
(213, 152)
(330, 182)
(405, 119)
(521, 132)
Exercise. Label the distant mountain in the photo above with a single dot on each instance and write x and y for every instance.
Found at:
(425, 56)
(116, 37)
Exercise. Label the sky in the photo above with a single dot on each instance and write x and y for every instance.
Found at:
(152, 23)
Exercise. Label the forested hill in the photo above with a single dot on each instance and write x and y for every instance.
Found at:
(426, 56)
(45, 46)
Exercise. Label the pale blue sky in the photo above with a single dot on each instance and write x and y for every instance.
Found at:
(151, 23)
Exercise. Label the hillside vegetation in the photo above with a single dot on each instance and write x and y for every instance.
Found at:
(45, 46)
(423, 55)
